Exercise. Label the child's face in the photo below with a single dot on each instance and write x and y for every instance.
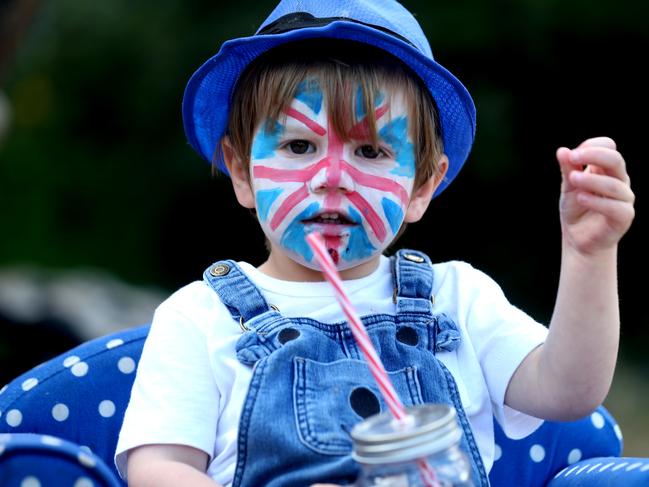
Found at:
(306, 179)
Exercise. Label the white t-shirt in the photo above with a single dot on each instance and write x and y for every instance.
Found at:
(190, 387)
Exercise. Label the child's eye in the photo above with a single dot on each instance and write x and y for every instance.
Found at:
(300, 147)
(369, 152)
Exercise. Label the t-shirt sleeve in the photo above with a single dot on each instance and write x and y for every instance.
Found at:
(502, 336)
(174, 399)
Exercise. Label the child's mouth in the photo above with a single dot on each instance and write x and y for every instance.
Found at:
(330, 218)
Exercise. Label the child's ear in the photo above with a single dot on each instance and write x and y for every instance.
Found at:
(238, 175)
(424, 194)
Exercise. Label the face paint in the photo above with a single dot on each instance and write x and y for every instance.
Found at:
(307, 179)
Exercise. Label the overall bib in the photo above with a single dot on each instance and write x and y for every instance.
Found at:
(310, 384)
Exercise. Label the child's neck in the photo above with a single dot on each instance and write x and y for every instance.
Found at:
(286, 269)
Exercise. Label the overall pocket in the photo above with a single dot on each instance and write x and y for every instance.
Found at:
(330, 398)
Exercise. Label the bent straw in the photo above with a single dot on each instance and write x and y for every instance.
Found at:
(359, 332)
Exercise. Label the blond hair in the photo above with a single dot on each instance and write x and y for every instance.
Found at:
(269, 85)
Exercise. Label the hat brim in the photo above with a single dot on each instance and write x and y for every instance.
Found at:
(208, 93)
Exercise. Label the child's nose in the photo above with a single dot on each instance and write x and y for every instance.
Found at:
(332, 178)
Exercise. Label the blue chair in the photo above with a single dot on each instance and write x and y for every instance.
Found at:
(59, 424)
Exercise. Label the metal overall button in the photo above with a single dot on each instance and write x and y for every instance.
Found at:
(245, 328)
(414, 258)
(220, 270)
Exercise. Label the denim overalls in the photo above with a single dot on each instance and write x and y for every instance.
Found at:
(310, 384)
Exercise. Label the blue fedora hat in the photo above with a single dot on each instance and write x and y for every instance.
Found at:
(384, 24)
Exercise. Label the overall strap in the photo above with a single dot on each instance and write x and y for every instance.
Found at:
(413, 282)
(236, 290)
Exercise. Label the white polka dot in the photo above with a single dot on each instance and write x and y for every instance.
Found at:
(60, 412)
(70, 361)
(14, 418)
(106, 408)
(30, 482)
(86, 460)
(116, 342)
(29, 384)
(498, 452)
(79, 369)
(574, 456)
(51, 440)
(83, 482)
(597, 419)
(537, 453)
(4, 388)
(618, 431)
(126, 365)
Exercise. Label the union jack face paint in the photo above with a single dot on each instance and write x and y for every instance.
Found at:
(305, 178)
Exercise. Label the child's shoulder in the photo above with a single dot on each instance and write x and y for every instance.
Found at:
(457, 269)
(457, 275)
(195, 309)
(192, 299)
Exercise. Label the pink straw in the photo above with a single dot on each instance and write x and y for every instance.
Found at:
(377, 369)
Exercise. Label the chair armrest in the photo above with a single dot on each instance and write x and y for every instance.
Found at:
(34, 459)
(604, 471)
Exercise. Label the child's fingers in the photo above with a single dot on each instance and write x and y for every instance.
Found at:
(602, 185)
(619, 213)
(601, 159)
(606, 142)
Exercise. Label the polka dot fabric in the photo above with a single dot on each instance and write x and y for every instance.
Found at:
(60, 421)
(584, 453)
(65, 415)
(31, 460)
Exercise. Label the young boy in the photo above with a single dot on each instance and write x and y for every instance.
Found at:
(335, 118)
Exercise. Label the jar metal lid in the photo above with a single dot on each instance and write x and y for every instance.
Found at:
(429, 429)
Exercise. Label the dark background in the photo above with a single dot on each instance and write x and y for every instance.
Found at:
(95, 171)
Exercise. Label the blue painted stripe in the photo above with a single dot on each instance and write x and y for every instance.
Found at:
(393, 213)
(265, 199)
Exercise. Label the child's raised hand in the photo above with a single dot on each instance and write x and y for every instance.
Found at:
(596, 205)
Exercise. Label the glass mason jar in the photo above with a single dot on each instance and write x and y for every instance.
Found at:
(390, 452)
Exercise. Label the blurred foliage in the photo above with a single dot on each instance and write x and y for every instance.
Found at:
(96, 171)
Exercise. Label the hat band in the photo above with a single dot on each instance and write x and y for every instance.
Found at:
(303, 20)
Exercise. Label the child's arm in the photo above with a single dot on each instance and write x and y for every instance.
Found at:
(570, 374)
(168, 465)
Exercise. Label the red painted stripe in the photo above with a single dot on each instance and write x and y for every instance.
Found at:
(377, 182)
(281, 175)
(334, 157)
(361, 130)
(288, 175)
(333, 201)
(376, 224)
(287, 205)
(301, 117)
(332, 241)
